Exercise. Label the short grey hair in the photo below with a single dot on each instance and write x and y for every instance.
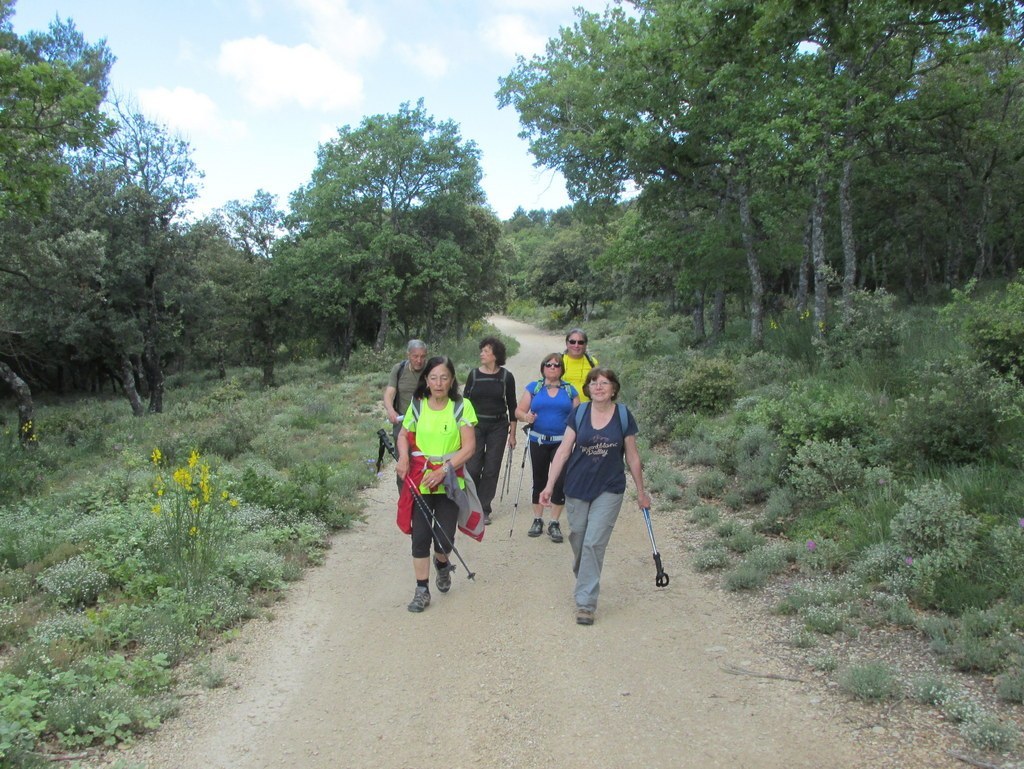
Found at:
(416, 344)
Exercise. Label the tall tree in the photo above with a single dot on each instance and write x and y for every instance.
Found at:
(384, 216)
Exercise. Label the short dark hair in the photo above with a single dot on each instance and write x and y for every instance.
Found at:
(552, 356)
(422, 390)
(608, 374)
(497, 347)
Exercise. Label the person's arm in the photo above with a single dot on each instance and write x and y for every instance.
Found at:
(557, 463)
(402, 444)
(510, 402)
(523, 409)
(636, 469)
(435, 477)
(389, 404)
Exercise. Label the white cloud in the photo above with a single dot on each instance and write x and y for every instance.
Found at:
(512, 35)
(427, 59)
(272, 75)
(187, 111)
(336, 28)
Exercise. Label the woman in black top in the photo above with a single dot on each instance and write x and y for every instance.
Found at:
(491, 389)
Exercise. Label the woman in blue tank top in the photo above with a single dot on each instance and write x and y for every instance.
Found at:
(545, 405)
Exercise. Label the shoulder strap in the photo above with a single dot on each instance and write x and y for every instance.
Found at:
(589, 359)
(417, 404)
(623, 420)
(467, 388)
(579, 414)
(401, 368)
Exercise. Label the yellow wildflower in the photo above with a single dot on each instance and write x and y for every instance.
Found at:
(234, 503)
(156, 509)
(194, 503)
(193, 458)
(193, 531)
(156, 456)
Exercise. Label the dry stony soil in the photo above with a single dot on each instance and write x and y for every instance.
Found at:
(497, 674)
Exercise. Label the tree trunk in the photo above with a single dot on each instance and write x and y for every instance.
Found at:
(849, 243)
(804, 278)
(26, 408)
(382, 331)
(754, 267)
(818, 257)
(697, 313)
(718, 314)
(130, 390)
(981, 234)
(154, 377)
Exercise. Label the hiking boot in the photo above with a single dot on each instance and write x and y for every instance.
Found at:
(584, 616)
(537, 529)
(444, 577)
(555, 531)
(421, 600)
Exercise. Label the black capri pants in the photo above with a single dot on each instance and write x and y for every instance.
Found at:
(446, 517)
(541, 455)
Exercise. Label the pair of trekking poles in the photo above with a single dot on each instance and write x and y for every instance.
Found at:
(661, 579)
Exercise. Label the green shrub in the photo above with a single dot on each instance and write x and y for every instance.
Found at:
(704, 515)
(256, 569)
(707, 559)
(745, 576)
(870, 681)
(1010, 686)
(815, 410)
(951, 416)
(988, 732)
(823, 618)
(763, 368)
(759, 462)
(822, 469)
(743, 540)
(994, 329)
(932, 520)
(929, 689)
(708, 386)
(778, 511)
(870, 328)
(709, 484)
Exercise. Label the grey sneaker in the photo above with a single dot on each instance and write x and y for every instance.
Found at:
(444, 577)
(555, 531)
(537, 529)
(487, 519)
(421, 600)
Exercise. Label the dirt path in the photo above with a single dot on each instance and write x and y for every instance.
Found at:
(496, 673)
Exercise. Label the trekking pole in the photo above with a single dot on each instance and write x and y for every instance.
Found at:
(421, 505)
(522, 472)
(661, 580)
(508, 472)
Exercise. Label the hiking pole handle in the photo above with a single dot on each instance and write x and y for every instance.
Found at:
(385, 441)
(661, 579)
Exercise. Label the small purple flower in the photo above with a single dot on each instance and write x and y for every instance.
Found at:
(882, 481)
(1020, 522)
(908, 561)
(812, 545)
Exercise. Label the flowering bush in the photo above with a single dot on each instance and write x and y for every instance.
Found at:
(195, 519)
(74, 582)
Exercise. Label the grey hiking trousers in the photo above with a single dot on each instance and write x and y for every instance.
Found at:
(590, 528)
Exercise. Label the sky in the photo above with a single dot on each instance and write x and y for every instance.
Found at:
(256, 86)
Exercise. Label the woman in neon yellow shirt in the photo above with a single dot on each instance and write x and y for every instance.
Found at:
(441, 440)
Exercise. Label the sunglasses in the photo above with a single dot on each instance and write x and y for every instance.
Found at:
(552, 364)
(576, 341)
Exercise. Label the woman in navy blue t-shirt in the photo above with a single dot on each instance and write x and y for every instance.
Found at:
(595, 481)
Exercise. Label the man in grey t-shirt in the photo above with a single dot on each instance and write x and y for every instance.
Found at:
(402, 383)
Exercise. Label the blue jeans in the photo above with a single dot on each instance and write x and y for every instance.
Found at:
(590, 528)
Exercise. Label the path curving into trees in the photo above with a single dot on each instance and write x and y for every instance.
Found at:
(496, 673)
